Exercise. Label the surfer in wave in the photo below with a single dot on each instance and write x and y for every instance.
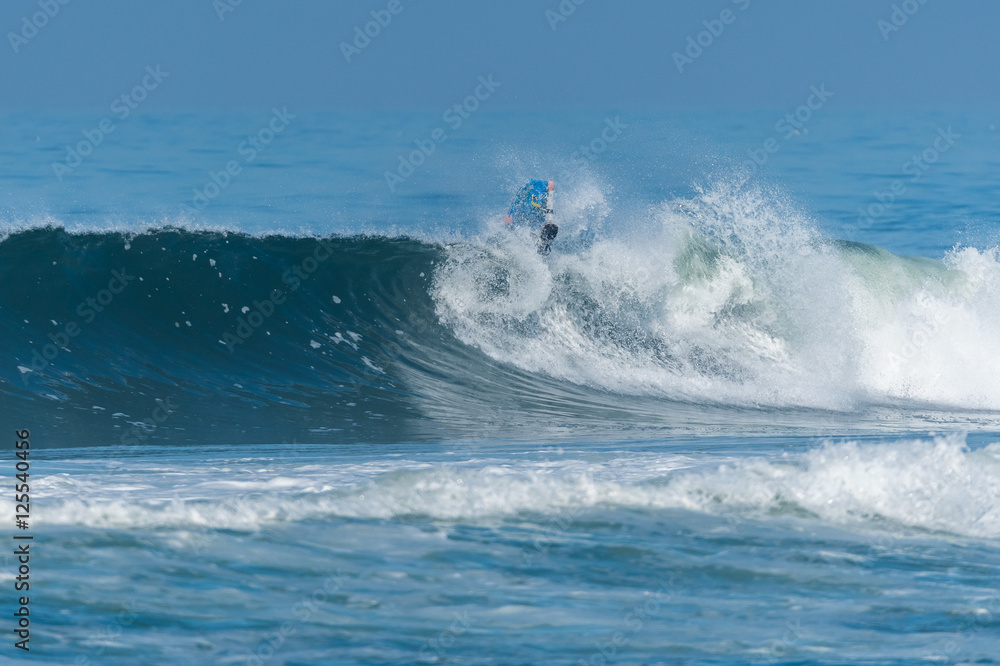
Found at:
(533, 207)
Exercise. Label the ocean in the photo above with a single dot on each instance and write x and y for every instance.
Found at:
(295, 395)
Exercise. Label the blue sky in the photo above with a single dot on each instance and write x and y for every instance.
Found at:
(604, 54)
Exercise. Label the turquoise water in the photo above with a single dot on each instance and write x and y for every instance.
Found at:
(330, 416)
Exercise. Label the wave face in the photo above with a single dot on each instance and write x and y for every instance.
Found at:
(719, 309)
(242, 336)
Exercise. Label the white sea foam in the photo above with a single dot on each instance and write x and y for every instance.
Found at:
(734, 298)
(936, 485)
